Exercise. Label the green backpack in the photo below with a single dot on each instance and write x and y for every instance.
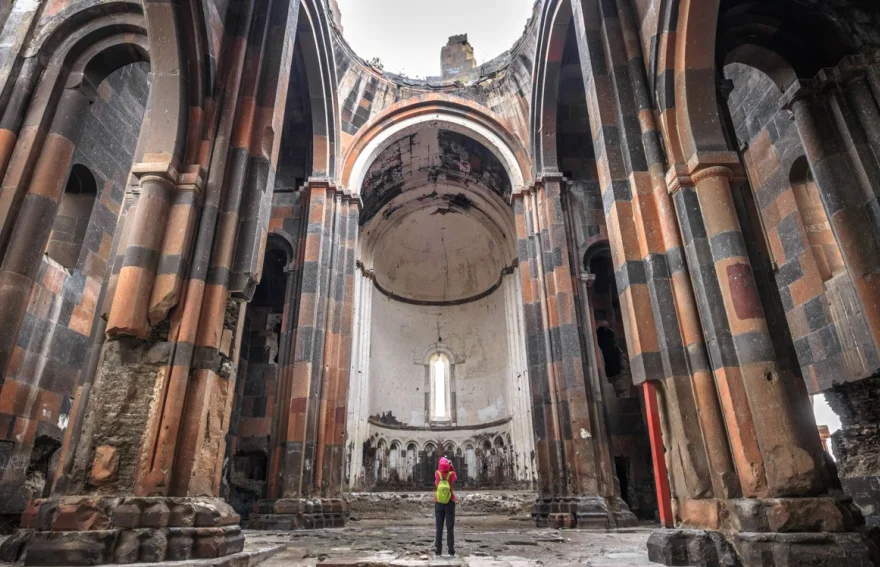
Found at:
(444, 491)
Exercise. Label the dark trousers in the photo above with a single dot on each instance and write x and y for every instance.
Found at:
(445, 513)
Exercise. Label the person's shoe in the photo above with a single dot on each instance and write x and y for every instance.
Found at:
(451, 554)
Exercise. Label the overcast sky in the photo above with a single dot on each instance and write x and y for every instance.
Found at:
(407, 34)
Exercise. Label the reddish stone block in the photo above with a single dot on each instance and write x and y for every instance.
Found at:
(85, 515)
(104, 465)
(155, 515)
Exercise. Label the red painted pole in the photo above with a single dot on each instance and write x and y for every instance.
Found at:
(661, 479)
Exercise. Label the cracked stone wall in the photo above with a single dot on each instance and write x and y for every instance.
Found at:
(255, 405)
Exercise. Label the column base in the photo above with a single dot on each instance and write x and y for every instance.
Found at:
(817, 514)
(96, 530)
(708, 548)
(299, 514)
(765, 532)
(592, 512)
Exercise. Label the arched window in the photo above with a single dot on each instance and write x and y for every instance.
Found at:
(72, 219)
(440, 394)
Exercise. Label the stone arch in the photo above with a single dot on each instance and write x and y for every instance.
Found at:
(783, 54)
(465, 117)
(695, 123)
(281, 240)
(768, 62)
(71, 58)
(555, 19)
(320, 66)
(596, 249)
(78, 31)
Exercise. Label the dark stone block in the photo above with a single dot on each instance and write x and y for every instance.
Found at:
(13, 546)
(815, 313)
(71, 548)
(691, 547)
(791, 238)
(668, 547)
(789, 273)
(797, 549)
(728, 244)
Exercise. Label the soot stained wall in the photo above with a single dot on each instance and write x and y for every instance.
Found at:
(402, 333)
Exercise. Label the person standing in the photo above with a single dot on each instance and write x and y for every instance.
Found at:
(444, 505)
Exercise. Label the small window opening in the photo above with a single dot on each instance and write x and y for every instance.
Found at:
(440, 406)
(72, 219)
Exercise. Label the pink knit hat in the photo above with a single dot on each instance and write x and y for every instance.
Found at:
(445, 465)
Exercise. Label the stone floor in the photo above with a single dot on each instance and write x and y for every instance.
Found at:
(397, 530)
(480, 542)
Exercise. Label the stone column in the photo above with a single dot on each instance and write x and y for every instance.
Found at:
(781, 467)
(305, 468)
(118, 503)
(518, 382)
(33, 224)
(567, 445)
(359, 393)
(665, 341)
(134, 286)
(13, 116)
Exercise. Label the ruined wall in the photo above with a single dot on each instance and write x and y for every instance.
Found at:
(255, 398)
(256, 406)
(457, 57)
(602, 321)
(811, 282)
(37, 394)
(502, 85)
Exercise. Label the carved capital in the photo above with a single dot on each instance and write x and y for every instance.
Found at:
(192, 178)
(798, 90)
(155, 166)
(678, 177)
(712, 171)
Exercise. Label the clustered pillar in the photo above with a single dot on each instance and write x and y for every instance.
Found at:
(306, 460)
(572, 490)
(785, 491)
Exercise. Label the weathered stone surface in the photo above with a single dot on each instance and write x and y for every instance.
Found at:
(127, 547)
(11, 549)
(700, 514)
(72, 548)
(153, 546)
(798, 549)
(705, 548)
(155, 515)
(180, 543)
(83, 514)
(788, 515)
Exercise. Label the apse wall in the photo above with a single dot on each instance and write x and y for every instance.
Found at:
(405, 335)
